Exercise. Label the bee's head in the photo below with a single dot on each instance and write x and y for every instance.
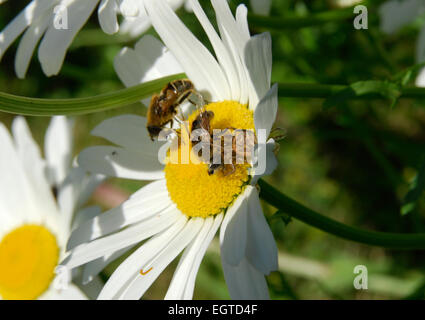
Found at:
(154, 131)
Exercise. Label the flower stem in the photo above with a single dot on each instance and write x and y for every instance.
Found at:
(297, 22)
(315, 90)
(298, 211)
(279, 23)
(47, 107)
(77, 106)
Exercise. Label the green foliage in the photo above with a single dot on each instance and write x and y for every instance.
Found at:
(416, 189)
(385, 89)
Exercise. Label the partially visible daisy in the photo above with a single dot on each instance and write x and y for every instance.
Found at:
(57, 22)
(396, 14)
(184, 206)
(34, 225)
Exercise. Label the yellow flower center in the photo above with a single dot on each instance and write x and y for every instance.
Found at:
(28, 257)
(197, 193)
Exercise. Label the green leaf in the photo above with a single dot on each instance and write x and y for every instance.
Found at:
(282, 215)
(47, 107)
(407, 75)
(417, 186)
(384, 89)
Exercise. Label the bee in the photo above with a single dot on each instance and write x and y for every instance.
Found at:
(164, 107)
(202, 121)
(242, 146)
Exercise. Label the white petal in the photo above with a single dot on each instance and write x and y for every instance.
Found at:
(233, 231)
(245, 282)
(56, 42)
(93, 268)
(122, 163)
(271, 161)
(258, 59)
(182, 272)
(224, 57)
(235, 40)
(141, 283)
(266, 111)
(183, 282)
(128, 67)
(129, 8)
(242, 20)
(190, 285)
(26, 17)
(58, 144)
(28, 43)
(131, 211)
(107, 13)
(86, 214)
(131, 267)
(72, 293)
(175, 4)
(35, 168)
(129, 236)
(16, 193)
(261, 249)
(395, 14)
(68, 195)
(135, 26)
(128, 131)
(261, 7)
(149, 60)
(420, 79)
(198, 63)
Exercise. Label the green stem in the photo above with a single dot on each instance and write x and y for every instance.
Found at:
(77, 106)
(47, 107)
(314, 219)
(297, 22)
(315, 90)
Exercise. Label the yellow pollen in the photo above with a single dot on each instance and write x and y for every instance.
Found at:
(28, 257)
(191, 188)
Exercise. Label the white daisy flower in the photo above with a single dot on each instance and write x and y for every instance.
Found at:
(184, 206)
(396, 14)
(34, 225)
(57, 22)
(136, 26)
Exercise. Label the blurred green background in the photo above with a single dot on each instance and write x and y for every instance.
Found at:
(352, 163)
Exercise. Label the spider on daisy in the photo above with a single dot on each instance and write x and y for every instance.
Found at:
(183, 207)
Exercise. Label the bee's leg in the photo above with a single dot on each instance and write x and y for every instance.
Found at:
(180, 113)
(183, 124)
(280, 136)
(212, 168)
(223, 132)
(196, 99)
(183, 121)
